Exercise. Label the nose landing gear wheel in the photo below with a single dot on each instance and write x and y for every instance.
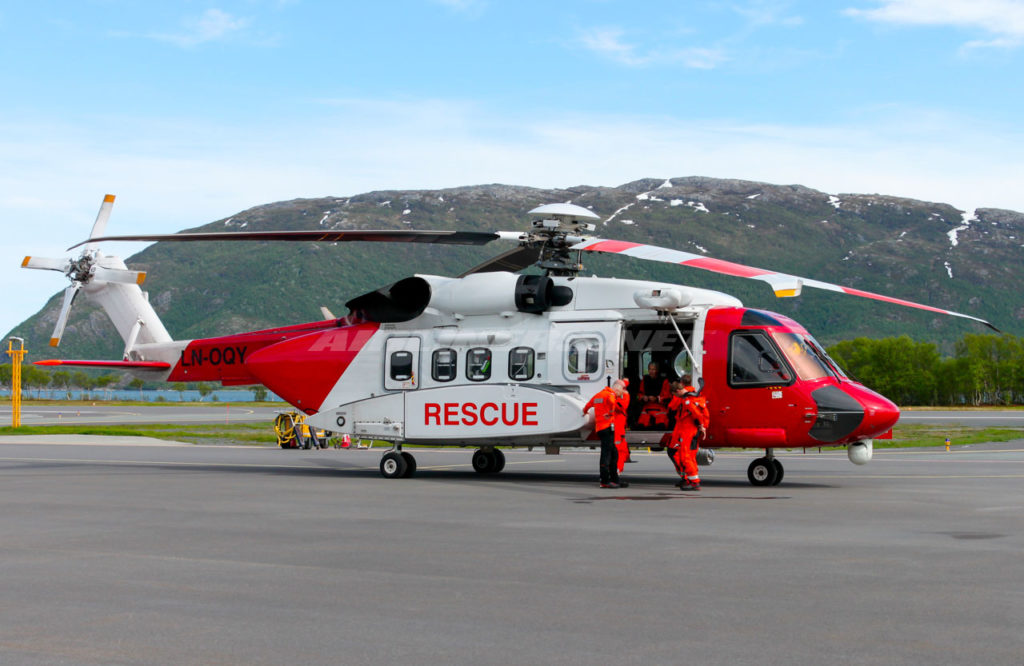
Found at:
(393, 465)
(762, 472)
(779, 471)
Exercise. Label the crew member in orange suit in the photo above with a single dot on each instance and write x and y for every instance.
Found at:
(654, 394)
(692, 419)
(621, 410)
(603, 404)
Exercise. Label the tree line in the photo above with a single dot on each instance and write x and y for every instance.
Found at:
(984, 370)
(35, 377)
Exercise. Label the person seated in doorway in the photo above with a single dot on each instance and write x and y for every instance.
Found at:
(653, 394)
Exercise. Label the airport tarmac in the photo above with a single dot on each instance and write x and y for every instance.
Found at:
(145, 553)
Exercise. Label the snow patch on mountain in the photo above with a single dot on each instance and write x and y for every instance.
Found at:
(967, 218)
(621, 210)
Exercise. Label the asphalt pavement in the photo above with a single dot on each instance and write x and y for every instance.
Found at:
(147, 553)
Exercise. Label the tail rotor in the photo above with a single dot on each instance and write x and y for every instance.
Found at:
(91, 267)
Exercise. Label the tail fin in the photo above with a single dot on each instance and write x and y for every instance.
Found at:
(106, 280)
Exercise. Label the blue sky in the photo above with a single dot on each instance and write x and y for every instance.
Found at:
(192, 111)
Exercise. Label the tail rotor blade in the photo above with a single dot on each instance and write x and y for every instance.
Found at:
(65, 310)
(118, 275)
(99, 227)
(47, 264)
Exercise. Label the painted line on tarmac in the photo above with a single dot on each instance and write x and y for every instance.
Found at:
(508, 463)
(910, 476)
(154, 463)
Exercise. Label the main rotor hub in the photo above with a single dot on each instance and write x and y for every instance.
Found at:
(555, 229)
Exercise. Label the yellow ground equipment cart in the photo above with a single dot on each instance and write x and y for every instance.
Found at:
(293, 433)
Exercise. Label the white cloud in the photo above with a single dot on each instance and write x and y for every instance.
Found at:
(609, 42)
(1004, 19)
(213, 25)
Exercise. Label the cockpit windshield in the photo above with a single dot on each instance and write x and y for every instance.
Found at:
(823, 355)
(804, 354)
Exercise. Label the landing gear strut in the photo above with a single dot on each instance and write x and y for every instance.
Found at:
(488, 461)
(397, 464)
(766, 471)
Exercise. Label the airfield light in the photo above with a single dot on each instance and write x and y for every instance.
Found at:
(16, 354)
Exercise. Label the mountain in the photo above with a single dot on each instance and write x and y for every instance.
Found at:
(926, 252)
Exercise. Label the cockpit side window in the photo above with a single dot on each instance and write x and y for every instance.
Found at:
(754, 361)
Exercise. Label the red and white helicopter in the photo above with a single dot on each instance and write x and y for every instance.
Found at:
(495, 358)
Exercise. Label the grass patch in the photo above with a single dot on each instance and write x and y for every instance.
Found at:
(253, 434)
(25, 402)
(935, 435)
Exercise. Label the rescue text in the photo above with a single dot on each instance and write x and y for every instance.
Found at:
(488, 414)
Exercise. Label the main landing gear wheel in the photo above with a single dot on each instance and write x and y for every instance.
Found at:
(779, 471)
(393, 465)
(762, 472)
(488, 462)
(410, 464)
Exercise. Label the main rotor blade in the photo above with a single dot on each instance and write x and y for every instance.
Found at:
(99, 227)
(512, 261)
(380, 236)
(783, 284)
(65, 309)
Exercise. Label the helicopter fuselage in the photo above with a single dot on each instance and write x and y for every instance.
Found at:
(463, 362)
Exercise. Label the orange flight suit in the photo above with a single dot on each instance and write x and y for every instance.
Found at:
(691, 413)
(604, 414)
(654, 412)
(621, 448)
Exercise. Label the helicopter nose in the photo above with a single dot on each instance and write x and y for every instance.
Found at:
(880, 414)
(851, 413)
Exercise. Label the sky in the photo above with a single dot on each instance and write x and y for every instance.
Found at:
(192, 111)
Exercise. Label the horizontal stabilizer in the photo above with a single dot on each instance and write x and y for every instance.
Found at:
(116, 365)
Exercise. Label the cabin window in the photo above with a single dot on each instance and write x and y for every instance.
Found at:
(520, 364)
(584, 356)
(754, 361)
(401, 366)
(478, 364)
(444, 365)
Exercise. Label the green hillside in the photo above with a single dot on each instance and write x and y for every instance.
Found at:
(894, 246)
